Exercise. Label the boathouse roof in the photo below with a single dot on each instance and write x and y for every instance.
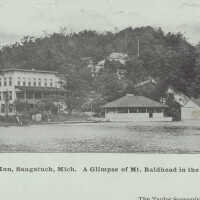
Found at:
(130, 100)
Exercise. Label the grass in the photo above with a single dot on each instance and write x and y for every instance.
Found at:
(62, 117)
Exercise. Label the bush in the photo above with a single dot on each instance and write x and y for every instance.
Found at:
(8, 119)
(174, 109)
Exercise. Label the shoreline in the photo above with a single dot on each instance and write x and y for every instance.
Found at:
(7, 124)
(188, 123)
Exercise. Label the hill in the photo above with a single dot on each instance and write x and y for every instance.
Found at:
(168, 58)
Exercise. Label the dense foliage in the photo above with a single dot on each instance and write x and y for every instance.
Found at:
(168, 58)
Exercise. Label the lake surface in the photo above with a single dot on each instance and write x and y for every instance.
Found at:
(103, 137)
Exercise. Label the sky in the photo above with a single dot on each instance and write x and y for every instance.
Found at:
(36, 17)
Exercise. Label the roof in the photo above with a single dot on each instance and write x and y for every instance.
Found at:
(40, 89)
(196, 101)
(151, 81)
(28, 70)
(120, 57)
(101, 63)
(131, 100)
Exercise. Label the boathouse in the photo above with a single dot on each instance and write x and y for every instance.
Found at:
(135, 108)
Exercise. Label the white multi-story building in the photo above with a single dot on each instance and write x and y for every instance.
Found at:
(26, 85)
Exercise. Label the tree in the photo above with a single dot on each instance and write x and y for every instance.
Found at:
(136, 71)
(109, 86)
(76, 91)
(174, 109)
(168, 58)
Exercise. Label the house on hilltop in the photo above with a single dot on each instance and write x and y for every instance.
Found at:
(146, 87)
(117, 57)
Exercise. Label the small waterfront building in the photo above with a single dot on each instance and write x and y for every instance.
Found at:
(135, 108)
(28, 86)
(191, 110)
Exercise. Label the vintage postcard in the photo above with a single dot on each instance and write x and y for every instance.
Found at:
(105, 93)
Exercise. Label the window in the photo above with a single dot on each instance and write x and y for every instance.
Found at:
(18, 81)
(38, 95)
(45, 82)
(10, 81)
(142, 110)
(122, 110)
(3, 108)
(29, 82)
(5, 81)
(151, 115)
(24, 81)
(34, 82)
(10, 95)
(158, 110)
(163, 100)
(132, 110)
(29, 95)
(150, 110)
(39, 82)
(113, 110)
(6, 96)
(51, 83)
(10, 108)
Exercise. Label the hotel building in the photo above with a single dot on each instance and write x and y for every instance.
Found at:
(28, 86)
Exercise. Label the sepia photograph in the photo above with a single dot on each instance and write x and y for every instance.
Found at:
(107, 76)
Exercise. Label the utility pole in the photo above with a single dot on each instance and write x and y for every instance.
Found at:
(138, 48)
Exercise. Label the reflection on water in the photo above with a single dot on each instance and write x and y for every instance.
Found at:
(107, 137)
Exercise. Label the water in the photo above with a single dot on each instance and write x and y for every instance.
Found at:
(103, 137)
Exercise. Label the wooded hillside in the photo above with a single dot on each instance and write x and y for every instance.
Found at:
(168, 58)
